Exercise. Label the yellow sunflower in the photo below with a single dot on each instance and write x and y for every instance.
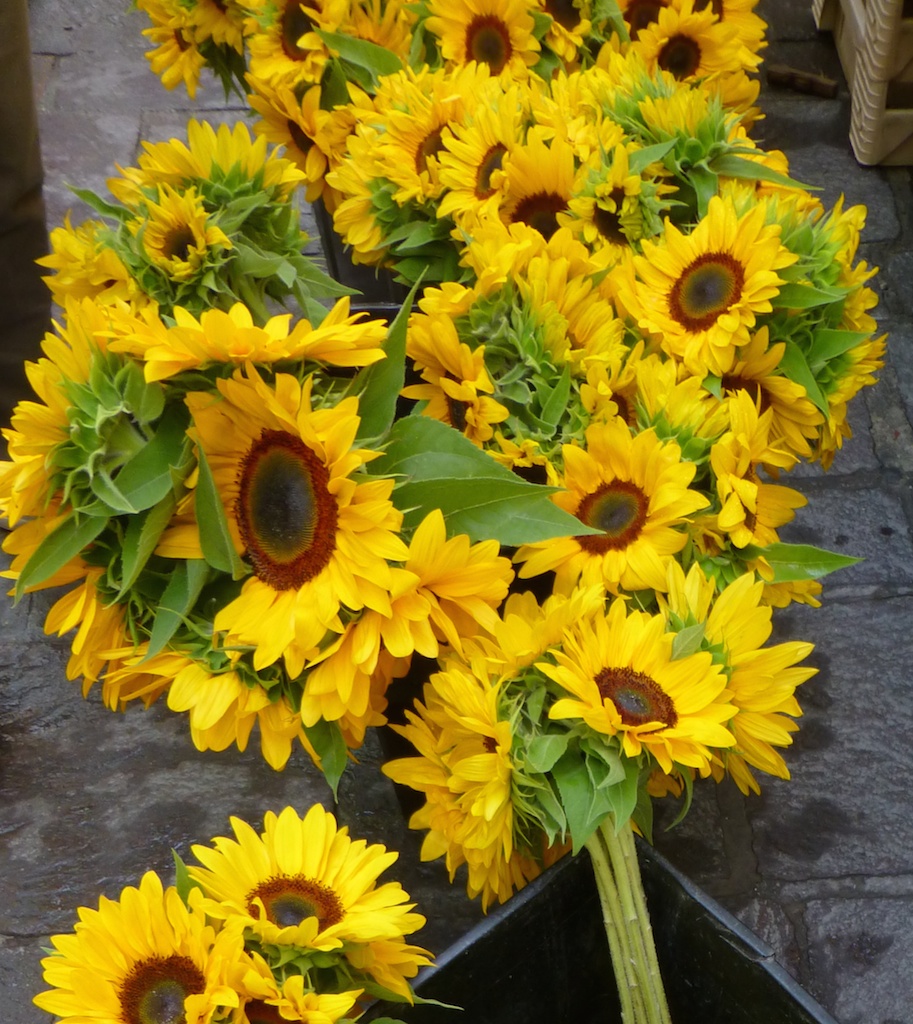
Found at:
(283, 43)
(498, 33)
(622, 681)
(231, 336)
(636, 490)
(303, 882)
(700, 293)
(465, 771)
(318, 540)
(146, 957)
(264, 1000)
(176, 57)
(177, 233)
(458, 386)
(540, 177)
(568, 30)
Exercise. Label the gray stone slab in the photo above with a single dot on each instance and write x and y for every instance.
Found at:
(857, 453)
(900, 359)
(846, 809)
(21, 978)
(861, 954)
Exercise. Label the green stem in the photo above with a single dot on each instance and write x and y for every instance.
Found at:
(627, 923)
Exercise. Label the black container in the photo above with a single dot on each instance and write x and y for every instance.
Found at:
(542, 958)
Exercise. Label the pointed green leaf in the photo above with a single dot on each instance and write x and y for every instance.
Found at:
(443, 469)
(183, 883)
(806, 296)
(70, 538)
(328, 742)
(794, 562)
(795, 366)
(215, 536)
(378, 385)
(107, 491)
(142, 535)
(184, 586)
(543, 752)
(556, 405)
(828, 344)
(641, 158)
(688, 641)
(148, 476)
(623, 795)
(377, 60)
(733, 166)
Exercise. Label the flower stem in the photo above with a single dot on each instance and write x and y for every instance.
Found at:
(627, 924)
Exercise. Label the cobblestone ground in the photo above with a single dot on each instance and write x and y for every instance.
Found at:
(821, 866)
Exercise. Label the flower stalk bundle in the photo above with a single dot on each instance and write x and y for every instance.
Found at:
(556, 481)
(288, 924)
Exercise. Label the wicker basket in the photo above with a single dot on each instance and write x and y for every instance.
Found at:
(875, 41)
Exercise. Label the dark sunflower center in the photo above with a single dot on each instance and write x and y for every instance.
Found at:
(178, 242)
(625, 409)
(489, 163)
(540, 211)
(303, 142)
(705, 290)
(619, 509)
(681, 57)
(637, 696)
(488, 42)
(291, 899)
(642, 13)
(564, 12)
(608, 224)
(182, 43)
(155, 989)
(286, 515)
(490, 744)
(220, 4)
(258, 1012)
(731, 382)
(295, 23)
(431, 146)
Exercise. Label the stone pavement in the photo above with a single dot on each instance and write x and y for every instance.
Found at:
(821, 866)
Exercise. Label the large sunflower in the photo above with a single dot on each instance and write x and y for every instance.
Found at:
(303, 882)
(175, 56)
(177, 234)
(636, 490)
(623, 681)
(700, 293)
(145, 959)
(498, 33)
(317, 540)
(540, 178)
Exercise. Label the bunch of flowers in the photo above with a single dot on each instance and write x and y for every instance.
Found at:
(288, 924)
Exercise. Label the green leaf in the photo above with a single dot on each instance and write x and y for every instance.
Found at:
(714, 385)
(148, 476)
(578, 798)
(795, 366)
(142, 535)
(443, 469)
(794, 562)
(328, 742)
(215, 537)
(732, 166)
(828, 344)
(544, 751)
(70, 538)
(184, 586)
(375, 59)
(623, 795)
(334, 90)
(688, 641)
(643, 813)
(556, 405)
(641, 158)
(107, 491)
(806, 296)
(183, 883)
(379, 384)
(100, 205)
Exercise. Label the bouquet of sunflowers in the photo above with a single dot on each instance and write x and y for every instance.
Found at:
(557, 478)
(290, 924)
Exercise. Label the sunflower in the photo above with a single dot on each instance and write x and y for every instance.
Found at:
(303, 882)
(640, 14)
(498, 33)
(569, 28)
(177, 234)
(144, 959)
(636, 490)
(209, 155)
(176, 57)
(623, 681)
(458, 386)
(762, 680)
(86, 266)
(317, 540)
(264, 1000)
(700, 293)
(218, 20)
(690, 44)
(540, 176)
(751, 508)
(283, 43)
(464, 769)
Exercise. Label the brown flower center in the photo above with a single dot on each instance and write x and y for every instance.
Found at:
(641, 13)
(488, 42)
(730, 382)
(295, 23)
(489, 163)
(290, 899)
(302, 140)
(540, 211)
(177, 243)
(706, 289)
(286, 515)
(619, 509)
(608, 222)
(638, 698)
(431, 146)
(564, 12)
(680, 56)
(258, 1012)
(155, 989)
(715, 5)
